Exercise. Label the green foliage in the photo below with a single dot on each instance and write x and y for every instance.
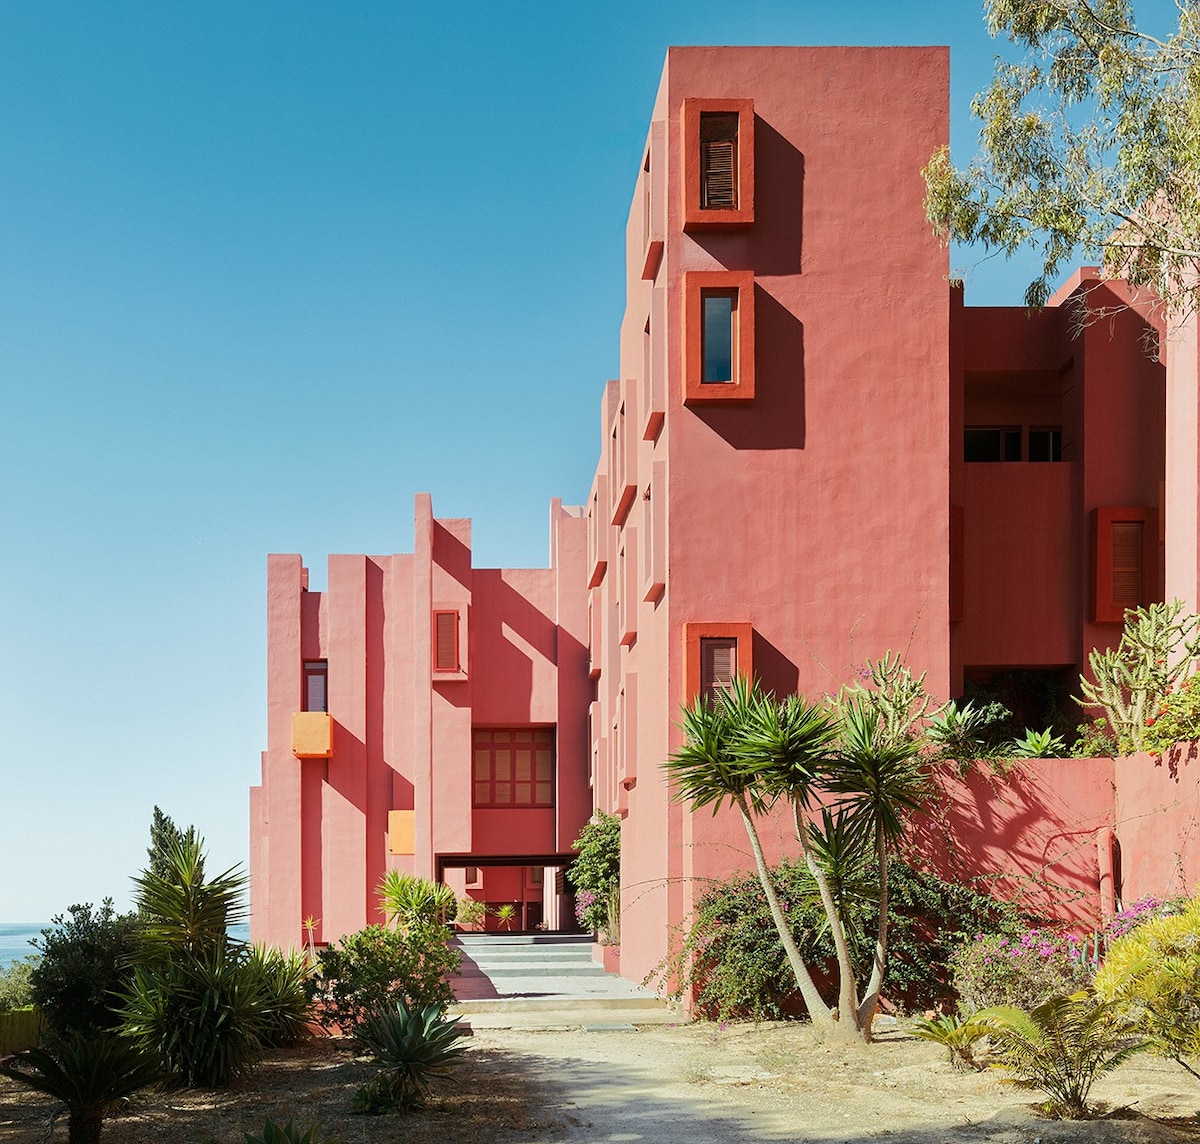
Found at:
(1062, 1047)
(470, 912)
(1095, 740)
(962, 734)
(1130, 682)
(206, 1004)
(410, 901)
(955, 1035)
(734, 964)
(1038, 745)
(289, 1133)
(504, 914)
(16, 992)
(83, 963)
(899, 701)
(415, 1046)
(164, 837)
(1177, 719)
(597, 873)
(1088, 146)
(375, 968)
(1152, 976)
(89, 1072)
(1017, 968)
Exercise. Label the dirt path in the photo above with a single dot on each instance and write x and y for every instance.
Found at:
(672, 1084)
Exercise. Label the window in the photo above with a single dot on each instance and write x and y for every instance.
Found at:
(445, 641)
(471, 876)
(513, 767)
(316, 678)
(718, 336)
(1124, 561)
(1045, 444)
(714, 654)
(717, 136)
(1004, 443)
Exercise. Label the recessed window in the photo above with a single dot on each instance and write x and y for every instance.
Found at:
(1124, 560)
(718, 665)
(1045, 444)
(714, 655)
(513, 767)
(471, 876)
(718, 160)
(445, 641)
(719, 315)
(992, 443)
(316, 678)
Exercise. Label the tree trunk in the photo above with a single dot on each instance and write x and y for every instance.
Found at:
(847, 991)
(866, 1011)
(818, 1011)
(83, 1126)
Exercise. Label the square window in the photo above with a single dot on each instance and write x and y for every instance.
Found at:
(1045, 444)
(714, 654)
(513, 767)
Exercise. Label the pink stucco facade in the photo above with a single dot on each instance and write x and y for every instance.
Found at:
(796, 470)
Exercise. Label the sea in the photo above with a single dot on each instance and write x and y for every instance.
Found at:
(15, 937)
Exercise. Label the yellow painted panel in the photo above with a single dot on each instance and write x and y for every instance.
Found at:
(312, 734)
(400, 832)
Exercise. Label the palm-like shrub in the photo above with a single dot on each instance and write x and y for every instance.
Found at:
(1062, 1047)
(963, 733)
(956, 1035)
(91, 1073)
(289, 1133)
(410, 901)
(1038, 745)
(415, 1046)
(1152, 975)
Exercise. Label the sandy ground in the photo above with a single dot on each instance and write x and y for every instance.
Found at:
(672, 1083)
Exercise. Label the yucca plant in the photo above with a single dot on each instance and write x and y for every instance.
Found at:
(91, 1073)
(284, 982)
(1062, 1047)
(289, 1133)
(415, 1046)
(410, 901)
(956, 1035)
(1038, 745)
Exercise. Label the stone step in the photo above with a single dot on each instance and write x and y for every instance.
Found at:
(526, 970)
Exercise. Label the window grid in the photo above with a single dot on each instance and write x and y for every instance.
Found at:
(513, 767)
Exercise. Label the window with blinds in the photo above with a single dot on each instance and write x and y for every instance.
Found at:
(1127, 547)
(718, 664)
(718, 160)
(445, 641)
(513, 766)
(1125, 564)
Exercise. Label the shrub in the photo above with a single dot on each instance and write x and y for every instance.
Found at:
(15, 989)
(83, 964)
(1037, 745)
(1175, 720)
(373, 969)
(470, 913)
(734, 963)
(1017, 970)
(1062, 1047)
(415, 1046)
(289, 1133)
(411, 901)
(284, 982)
(965, 733)
(596, 875)
(955, 1035)
(1152, 975)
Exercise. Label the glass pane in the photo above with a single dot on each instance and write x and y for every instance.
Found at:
(483, 764)
(718, 338)
(522, 794)
(545, 766)
(545, 794)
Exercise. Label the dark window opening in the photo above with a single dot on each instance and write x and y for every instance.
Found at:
(316, 679)
(718, 160)
(717, 334)
(1045, 444)
(992, 444)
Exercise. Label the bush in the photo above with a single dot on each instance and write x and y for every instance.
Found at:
(15, 989)
(415, 1046)
(1176, 720)
(375, 968)
(411, 901)
(1152, 975)
(83, 965)
(1017, 970)
(734, 963)
(596, 875)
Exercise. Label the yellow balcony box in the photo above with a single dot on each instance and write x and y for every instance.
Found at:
(401, 827)
(312, 734)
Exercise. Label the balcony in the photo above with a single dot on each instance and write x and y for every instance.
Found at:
(312, 734)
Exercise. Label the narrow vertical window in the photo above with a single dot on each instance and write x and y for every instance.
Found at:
(445, 641)
(718, 664)
(718, 160)
(1127, 537)
(316, 678)
(720, 309)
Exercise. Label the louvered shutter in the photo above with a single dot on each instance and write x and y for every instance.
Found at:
(1127, 563)
(718, 161)
(718, 665)
(445, 656)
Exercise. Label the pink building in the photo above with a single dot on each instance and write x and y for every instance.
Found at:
(814, 453)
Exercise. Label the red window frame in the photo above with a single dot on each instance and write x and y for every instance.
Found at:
(1115, 566)
(694, 636)
(314, 669)
(695, 216)
(698, 285)
(512, 767)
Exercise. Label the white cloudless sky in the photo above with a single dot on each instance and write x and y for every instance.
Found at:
(266, 271)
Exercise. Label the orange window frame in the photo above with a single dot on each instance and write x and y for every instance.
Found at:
(697, 285)
(696, 217)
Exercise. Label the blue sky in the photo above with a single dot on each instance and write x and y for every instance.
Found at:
(255, 260)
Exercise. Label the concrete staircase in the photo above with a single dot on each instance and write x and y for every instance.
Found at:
(544, 981)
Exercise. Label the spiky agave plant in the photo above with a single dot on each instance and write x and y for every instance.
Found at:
(1062, 1047)
(90, 1073)
(289, 1133)
(415, 1046)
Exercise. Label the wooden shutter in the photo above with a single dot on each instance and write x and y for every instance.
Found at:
(718, 664)
(445, 641)
(1127, 563)
(718, 161)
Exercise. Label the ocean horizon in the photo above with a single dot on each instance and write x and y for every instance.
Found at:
(15, 938)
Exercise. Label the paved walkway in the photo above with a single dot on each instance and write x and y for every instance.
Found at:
(547, 981)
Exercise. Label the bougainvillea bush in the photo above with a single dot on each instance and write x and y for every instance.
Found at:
(1020, 970)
